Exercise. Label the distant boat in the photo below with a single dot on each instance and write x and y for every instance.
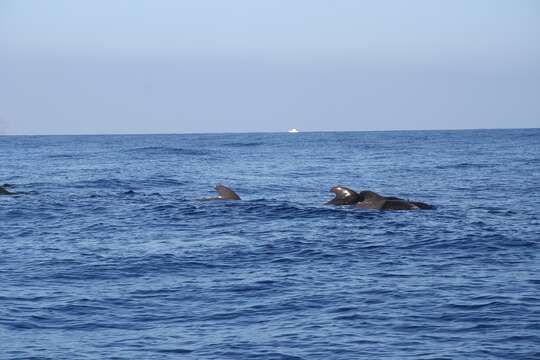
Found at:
(292, 131)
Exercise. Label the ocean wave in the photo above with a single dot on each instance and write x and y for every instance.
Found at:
(243, 144)
(104, 184)
(164, 150)
(465, 166)
(65, 156)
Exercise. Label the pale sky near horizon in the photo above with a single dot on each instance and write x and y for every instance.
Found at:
(165, 66)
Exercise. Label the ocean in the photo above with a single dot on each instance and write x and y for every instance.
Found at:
(106, 252)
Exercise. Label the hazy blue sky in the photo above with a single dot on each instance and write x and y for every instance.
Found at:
(103, 66)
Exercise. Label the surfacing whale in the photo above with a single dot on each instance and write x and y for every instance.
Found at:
(344, 196)
(4, 191)
(372, 200)
(224, 193)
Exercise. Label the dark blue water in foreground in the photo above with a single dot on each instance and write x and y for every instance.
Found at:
(107, 253)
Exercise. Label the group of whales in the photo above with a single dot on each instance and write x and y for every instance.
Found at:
(345, 196)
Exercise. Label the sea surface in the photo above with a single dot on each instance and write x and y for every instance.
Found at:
(106, 253)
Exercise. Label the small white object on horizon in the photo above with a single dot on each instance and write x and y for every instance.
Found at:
(292, 131)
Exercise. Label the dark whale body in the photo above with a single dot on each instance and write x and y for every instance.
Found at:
(372, 200)
(3, 191)
(224, 193)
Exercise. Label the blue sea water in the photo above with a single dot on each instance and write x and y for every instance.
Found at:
(107, 254)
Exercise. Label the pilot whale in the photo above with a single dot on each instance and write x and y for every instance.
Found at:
(4, 191)
(371, 200)
(224, 193)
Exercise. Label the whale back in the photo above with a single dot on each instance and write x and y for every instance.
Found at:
(370, 200)
(225, 193)
(398, 205)
(367, 195)
(5, 192)
(344, 196)
(395, 203)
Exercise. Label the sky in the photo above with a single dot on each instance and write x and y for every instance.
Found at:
(173, 66)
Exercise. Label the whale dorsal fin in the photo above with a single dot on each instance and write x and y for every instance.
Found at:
(225, 193)
(344, 196)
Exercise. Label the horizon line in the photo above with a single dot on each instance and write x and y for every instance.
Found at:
(264, 132)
